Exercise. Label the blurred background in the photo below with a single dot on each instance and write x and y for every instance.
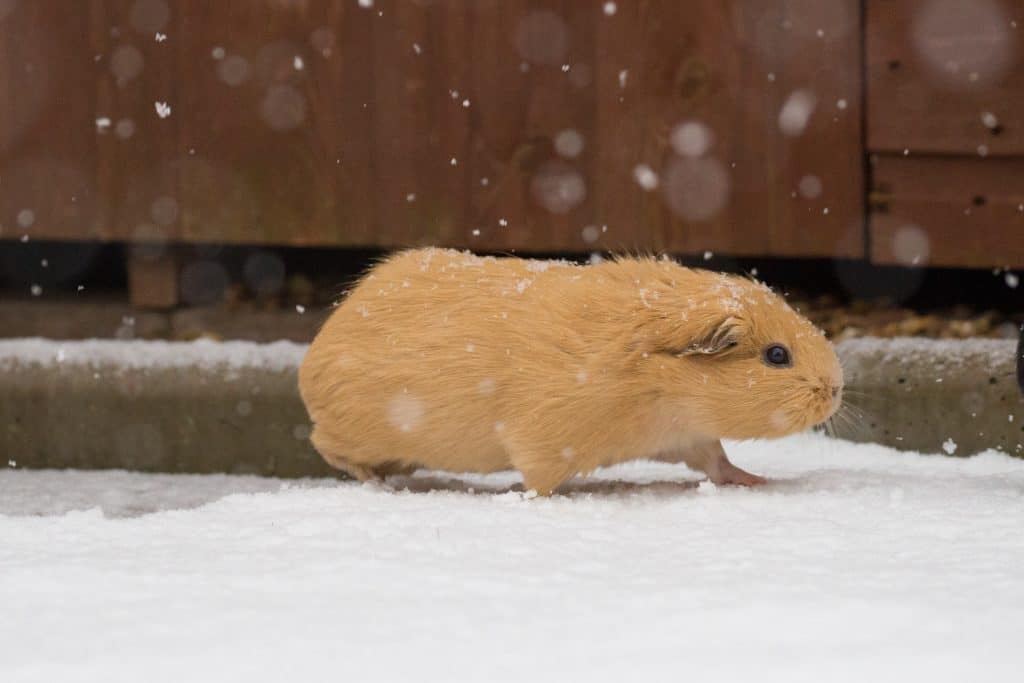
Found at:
(183, 168)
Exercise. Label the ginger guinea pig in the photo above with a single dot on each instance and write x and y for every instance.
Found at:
(446, 360)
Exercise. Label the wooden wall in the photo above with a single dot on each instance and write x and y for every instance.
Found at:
(945, 113)
(493, 124)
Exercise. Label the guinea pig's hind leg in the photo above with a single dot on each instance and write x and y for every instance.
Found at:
(393, 467)
(331, 452)
(711, 459)
(361, 473)
(541, 474)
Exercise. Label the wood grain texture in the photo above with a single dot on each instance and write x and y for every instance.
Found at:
(951, 212)
(492, 124)
(733, 67)
(48, 139)
(945, 76)
(137, 172)
(265, 138)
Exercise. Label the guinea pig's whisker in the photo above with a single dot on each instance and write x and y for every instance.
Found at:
(850, 406)
(851, 420)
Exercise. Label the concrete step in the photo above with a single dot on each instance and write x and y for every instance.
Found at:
(233, 406)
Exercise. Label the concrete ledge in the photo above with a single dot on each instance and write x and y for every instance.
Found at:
(233, 407)
(155, 406)
(935, 395)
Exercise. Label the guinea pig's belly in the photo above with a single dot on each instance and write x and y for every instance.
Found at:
(387, 417)
(442, 443)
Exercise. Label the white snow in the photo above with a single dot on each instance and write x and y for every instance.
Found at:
(645, 177)
(796, 112)
(203, 354)
(856, 563)
(945, 355)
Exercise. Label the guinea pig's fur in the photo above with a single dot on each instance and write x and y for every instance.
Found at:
(446, 360)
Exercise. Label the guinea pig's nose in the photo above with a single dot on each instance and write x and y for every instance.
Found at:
(835, 391)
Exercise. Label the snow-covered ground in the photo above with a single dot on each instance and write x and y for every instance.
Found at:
(857, 563)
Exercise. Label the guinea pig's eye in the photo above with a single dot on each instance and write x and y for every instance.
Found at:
(777, 356)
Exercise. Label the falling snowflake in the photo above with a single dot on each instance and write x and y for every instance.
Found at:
(645, 177)
(25, 218)
(163, 110)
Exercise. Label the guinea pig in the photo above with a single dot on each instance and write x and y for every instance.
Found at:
(446, 360)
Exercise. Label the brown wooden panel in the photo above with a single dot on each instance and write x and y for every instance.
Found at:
(324, 122)
(945, 76)
(733, 67)
(137, 149)
(48, 138)
(534, 83)
(632, 78)
(271, 108)
(392, 95)
(948, 212)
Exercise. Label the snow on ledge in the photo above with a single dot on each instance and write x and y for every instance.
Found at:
(138, 354)
(994, 352)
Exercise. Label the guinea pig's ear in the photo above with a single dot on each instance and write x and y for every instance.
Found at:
(717, 337)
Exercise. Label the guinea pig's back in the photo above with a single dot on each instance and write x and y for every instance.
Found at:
(412, 361)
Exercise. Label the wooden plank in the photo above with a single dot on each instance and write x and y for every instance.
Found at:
(416, 192)
(48, 130)
(139, 148)
(259, 113)
(945, 76)
(731, 68)
(533, 125)
(948, 212)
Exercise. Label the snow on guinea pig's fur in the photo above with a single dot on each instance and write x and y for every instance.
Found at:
(446, 360)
